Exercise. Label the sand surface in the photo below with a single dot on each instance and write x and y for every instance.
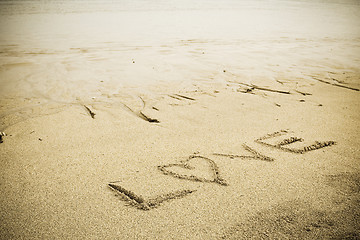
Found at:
(214, 120)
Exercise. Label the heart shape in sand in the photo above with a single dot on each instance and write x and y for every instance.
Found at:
(193, 171)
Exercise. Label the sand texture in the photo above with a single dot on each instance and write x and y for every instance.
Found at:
(203, 121)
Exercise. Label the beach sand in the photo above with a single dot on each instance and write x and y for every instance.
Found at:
(243, 134)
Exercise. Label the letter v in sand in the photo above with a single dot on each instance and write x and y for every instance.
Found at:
(254, 155)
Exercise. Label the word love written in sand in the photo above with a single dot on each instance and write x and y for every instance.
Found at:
(202, 169)
(190, 169)
(194, 168)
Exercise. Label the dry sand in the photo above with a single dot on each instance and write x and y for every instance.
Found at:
(181, 124)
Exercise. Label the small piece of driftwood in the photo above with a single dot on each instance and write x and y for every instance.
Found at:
(146, 118)
(189, 98)
(92, 114)
(177, 98)
(1, 136)
(264, 89)
(335, 84)
(141, 115)
(303, 93)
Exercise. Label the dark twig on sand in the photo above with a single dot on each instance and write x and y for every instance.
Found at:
(303, 93)
(335, 84)
(140, 114)
(189, 98)
(263, 88)
(146, 118)
(92, 114)
(280, 82)
(177, 98)
(181, 97)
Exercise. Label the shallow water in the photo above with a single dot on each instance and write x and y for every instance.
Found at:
(70, 50)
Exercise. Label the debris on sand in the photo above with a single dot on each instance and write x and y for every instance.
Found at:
(335, 84)
(2, 134)
(92, 114)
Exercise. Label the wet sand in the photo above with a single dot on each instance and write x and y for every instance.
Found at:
(219, 123)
